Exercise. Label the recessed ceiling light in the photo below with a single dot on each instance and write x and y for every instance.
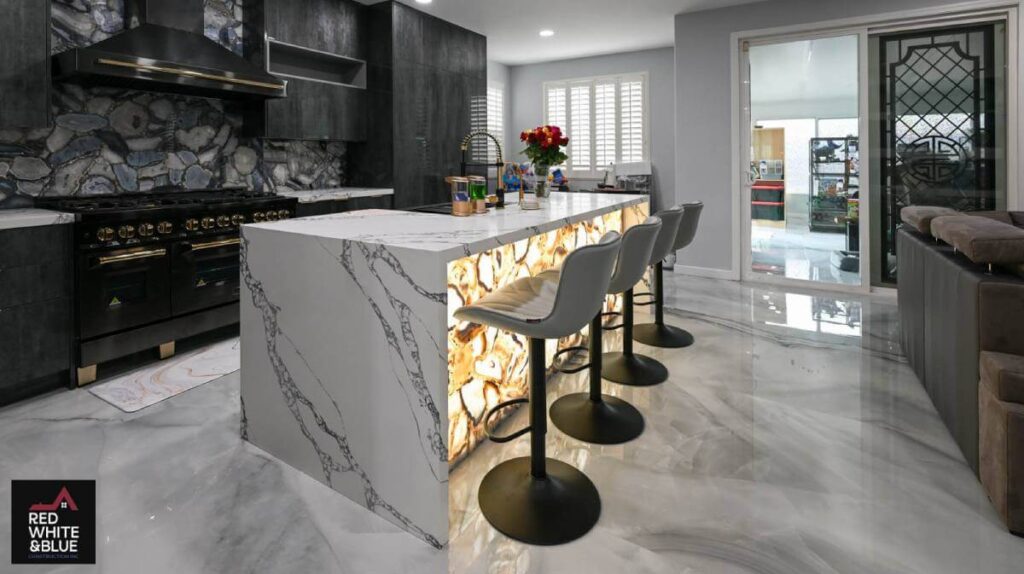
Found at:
(424, 1)
(547, 33)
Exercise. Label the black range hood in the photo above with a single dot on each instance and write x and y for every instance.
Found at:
(165, 50)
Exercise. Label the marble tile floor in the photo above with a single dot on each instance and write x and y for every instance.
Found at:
(792, 438)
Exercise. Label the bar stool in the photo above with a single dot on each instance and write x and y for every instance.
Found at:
(627, 367)
(595, 417)
(535, 499)
(658, 334)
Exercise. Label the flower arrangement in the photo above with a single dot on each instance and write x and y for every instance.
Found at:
(544, 145)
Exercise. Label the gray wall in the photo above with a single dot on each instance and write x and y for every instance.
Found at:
(528, 110)
(704, 104)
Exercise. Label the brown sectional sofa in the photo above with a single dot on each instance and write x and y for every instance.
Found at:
(961, 305)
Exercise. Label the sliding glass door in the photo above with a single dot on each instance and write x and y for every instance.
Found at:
(941, 125)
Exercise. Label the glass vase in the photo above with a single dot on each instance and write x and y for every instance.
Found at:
(540, 179)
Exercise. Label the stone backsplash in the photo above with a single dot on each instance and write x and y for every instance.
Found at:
(109, 140)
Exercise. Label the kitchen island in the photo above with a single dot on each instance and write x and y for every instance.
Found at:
(353, 367)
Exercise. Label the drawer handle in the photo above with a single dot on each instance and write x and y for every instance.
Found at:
(132, 256)
(216, 244)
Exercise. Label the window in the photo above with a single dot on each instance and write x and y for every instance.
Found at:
(488, 114)
(605, 119)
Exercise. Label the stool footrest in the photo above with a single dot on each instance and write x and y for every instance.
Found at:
(571, 370)
(611, 327)
(652, 301)
(498, 407)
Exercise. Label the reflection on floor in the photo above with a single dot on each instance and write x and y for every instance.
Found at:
(792, 438)
(790, 250)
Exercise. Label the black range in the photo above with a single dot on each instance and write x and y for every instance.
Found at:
(153, 268)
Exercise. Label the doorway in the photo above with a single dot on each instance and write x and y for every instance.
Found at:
(804, 160)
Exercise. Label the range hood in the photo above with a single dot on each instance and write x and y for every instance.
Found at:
(165, 50)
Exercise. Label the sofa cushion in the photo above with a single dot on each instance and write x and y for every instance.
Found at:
(981, 239)
(1000, 216)
(920, 216)
(1004, 374)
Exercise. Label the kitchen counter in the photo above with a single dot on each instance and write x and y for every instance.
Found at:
(334, 194)
(354, 369)
(18, 218)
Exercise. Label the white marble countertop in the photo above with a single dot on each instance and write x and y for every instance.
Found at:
(334, 194)
(453, 237)
(17, 218)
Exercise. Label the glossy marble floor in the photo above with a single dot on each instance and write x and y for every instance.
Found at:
(792, 438)
(790, 250)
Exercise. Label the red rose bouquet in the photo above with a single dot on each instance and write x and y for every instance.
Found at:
(544, 145)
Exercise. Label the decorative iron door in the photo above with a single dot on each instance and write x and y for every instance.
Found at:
(938, 133)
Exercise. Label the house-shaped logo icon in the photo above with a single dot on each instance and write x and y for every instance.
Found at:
(62, 502)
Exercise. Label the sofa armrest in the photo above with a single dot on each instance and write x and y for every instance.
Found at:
(1004, 375)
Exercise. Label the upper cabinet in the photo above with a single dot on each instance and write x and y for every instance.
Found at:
(331, 26)
(24, 63)
(318, 46)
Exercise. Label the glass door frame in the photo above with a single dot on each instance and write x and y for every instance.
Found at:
(746, 181)
(864, 29)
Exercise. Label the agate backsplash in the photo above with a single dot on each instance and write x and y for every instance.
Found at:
(112, 140)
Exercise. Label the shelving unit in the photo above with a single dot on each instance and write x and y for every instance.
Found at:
(300, 63)
(768, 193)
(834, 180)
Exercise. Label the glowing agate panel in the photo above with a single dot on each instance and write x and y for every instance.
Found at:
(487, 366)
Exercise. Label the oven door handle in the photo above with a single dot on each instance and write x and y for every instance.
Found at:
(135, 256)
(216, 244)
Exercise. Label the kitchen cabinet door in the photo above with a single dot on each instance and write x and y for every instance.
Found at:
(24, 63)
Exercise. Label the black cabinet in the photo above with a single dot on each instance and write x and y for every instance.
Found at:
(316, 111)
(35, 310)
(341, 206)
(332, 26)
(314, 42)
(424, 75)
(25, 63)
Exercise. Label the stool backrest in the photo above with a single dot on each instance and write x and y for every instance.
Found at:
(635, 254)
(670, 220)
(582, 285)
(688, 227)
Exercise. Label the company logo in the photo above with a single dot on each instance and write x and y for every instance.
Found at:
(53, 522)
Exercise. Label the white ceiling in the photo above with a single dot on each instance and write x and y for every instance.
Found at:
(582, 27)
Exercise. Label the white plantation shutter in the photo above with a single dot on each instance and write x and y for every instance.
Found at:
(580, 157)
(478, 122)
(495, 120)
(605, 143)
(555, 110)
(605, 119)
(632, 113)
(488, 114)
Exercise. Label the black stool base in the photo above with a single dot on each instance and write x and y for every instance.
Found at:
(555, 510)
(633, 370)
(610, 421)
(662, 336)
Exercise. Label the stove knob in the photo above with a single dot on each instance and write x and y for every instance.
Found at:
(258, 216)
(105, 234)
(192, 224)
(223, 221)
(237, 220)
(164, 227)
(146, 230)
(208, 222)
(271, 216)
(283, 214)
(126, 231)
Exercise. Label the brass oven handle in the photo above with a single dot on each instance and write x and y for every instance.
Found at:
(188, 73)
(216, 244)
(132, 256)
